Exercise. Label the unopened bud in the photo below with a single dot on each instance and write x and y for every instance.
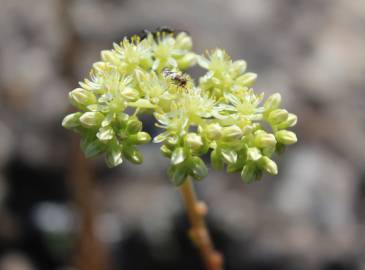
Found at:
(186, 61)
(232, 133)
(240, 66)
(216, 160)
(247, 79)
(183, 41)
(133, 155)
(130, 94)
(91, 119)
(269, 165)
(105, 134)
(273, 102)
(277, 116)
(198, 168)
(290, 122)
(100, 66)
(248, 173)
(264, 140)
(166, 151)
(253, 154)
(108, 56)
(113, 158)
(214, 131)
(286, 137)
(142, 137)
(178, 156)
(134, 126)
(81, 98)
(71, 120)
(194, 141)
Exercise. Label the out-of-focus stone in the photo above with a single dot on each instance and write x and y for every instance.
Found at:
(318, 191)
(15, 261)
(6, 143)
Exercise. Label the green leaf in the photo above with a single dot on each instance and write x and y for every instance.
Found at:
(133, 154)
(198, 168)
(91, 148)
(177, 174)
(248, 173)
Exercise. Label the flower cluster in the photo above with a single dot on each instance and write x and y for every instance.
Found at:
(220, 115)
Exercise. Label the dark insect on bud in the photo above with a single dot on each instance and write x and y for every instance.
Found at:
(162, 30)
(178, 79)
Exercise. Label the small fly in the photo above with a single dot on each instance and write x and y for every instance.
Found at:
(179, 80)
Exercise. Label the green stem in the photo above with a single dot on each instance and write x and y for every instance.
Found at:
(198, 232)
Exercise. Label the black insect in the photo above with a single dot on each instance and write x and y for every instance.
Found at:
(178, 79)
(162, 30)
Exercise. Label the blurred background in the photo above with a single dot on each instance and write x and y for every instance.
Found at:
(58, 211)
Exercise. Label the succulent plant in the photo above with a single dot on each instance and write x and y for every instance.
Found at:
(220, 114)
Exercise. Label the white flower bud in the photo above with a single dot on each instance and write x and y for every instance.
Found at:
(248, 79)
(178, 156)
(253, 154)
(130, 94)
(214, 131)
(232, 133)
(194, 141)
(91, 119)
(269, 165)
(286, 137)
(290, 122)
(134, 126)
(105, 134)
(183, 41)
(71, 121)
(109, 56)
(277, 116)
(113, 158)
(187, 61)
(273, 102)
(239, 66)
(264, 140)
(81, 98)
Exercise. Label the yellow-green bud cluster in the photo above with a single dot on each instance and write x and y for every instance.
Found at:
(220, 115)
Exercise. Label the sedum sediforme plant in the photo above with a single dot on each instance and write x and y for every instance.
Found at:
(220, 114)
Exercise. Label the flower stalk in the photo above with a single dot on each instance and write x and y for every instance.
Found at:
(199, 234)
